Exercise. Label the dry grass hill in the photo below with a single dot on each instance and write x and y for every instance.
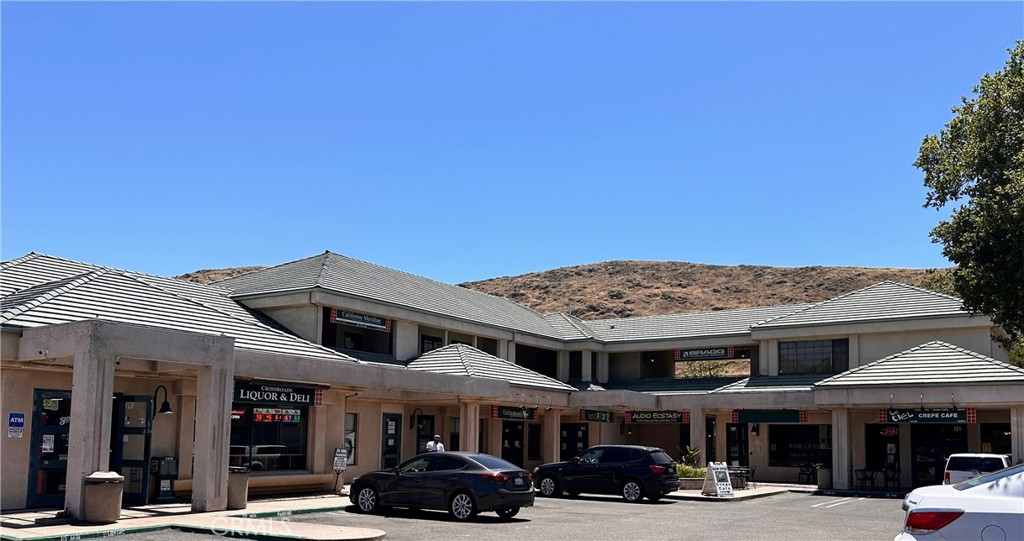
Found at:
(643, 288)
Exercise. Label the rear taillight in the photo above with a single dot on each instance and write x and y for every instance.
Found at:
(945, 478)
(922, 522)
(658, 470)
(495, 477)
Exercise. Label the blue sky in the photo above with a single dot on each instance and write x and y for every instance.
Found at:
(470, 140)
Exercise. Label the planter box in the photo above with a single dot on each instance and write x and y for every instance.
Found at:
(691, 483)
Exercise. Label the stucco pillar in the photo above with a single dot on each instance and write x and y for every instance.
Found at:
(551, 431)
(588, 365)
(407, 339)
(1017, 434)
(854, 350)
(186, 428)
(509, 349)
(469, 422)
(841, 452)
(773, 357)
(318, 453)
(493, 437)
(698, 432)
(92, 392)
(213, 433)
(562, 365)
(602, 367)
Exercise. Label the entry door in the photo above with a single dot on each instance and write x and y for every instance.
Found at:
(512, 442)
(48, 461)
(737, 444)
(130, 435)
(391, 440)
(425, 432)
(930, 445)
(575, 440)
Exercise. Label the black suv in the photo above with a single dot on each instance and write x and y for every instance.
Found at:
(633, 471)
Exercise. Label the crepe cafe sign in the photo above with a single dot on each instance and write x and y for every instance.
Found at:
(272, 393)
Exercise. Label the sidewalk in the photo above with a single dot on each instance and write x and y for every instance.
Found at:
(259, 520)
(760, 490)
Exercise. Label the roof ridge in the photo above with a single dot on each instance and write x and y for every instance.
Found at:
(269, 268)
(578, 324)
(18, 260)
(250, 323)
(460, 351)
(835, 299)
(925, 290)
(72, 283)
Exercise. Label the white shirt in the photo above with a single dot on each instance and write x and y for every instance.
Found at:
(435, 446)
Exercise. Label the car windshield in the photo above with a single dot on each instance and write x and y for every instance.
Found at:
(494, 463)
(989, 477)
(972, 463)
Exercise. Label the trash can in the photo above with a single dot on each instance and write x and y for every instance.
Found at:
(238, 487)
(102, 497)
(824, 477)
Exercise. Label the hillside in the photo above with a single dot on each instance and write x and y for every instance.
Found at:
(644, 288)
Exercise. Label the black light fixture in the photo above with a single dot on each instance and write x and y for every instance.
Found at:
(165, 407)
(755, 429)
(414, 419)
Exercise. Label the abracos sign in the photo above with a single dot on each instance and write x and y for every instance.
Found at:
(655, 417)
(273, 393)
(342, 317)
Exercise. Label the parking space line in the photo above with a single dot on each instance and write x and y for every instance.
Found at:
(833, 503)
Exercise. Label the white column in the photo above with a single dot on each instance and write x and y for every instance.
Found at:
(854, 350)
(698, 432)
(213, 432)
(469, 437)
(551, 432)
(773, 357)
(92, 384)
(841, 451)
(186, 428)
(1017, 434)
(588, 365)
(562, 365)
(602, 367)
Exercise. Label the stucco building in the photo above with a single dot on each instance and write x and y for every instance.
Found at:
(281, 368)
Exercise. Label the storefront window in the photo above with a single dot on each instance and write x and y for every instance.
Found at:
(350, 437)
(793, 445)
(268, 426)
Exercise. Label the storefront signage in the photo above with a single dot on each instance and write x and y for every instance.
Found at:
(343, 317)
(716, 480)
(276, 415)
(657, 417)
(15, 424)
(597, 416)
(928, 415)
(340, 459)
(272, 393)
(513, 412)
(704, 354)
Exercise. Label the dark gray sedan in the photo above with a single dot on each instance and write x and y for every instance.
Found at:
(464, 484)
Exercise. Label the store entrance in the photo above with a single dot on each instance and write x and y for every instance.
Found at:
(512, 442)
(130, 436)
(48, 462)
(391, 440)
(737, 444)
(930, 445)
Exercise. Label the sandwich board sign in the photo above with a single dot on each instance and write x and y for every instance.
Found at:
(716, 480)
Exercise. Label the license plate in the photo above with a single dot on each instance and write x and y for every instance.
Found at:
(519, 481)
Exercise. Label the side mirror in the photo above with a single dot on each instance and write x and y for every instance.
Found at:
(575, 460)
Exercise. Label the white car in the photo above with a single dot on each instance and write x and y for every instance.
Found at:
(963, 466)
(990, 506)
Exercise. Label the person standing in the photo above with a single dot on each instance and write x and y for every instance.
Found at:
(435, 445)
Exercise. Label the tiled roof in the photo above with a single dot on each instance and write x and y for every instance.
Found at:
(463, 360)
(569, 327)
(137, 299)
(774, 384)
(882, 301)
(691, 325)
(347, 276)
(673, 386)
(933, 363)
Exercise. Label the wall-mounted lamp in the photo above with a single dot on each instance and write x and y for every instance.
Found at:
(629, 430)
(755, 429)
(551, 403)
(165, 407)
(414, 419)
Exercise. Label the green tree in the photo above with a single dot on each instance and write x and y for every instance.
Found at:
(976, 164)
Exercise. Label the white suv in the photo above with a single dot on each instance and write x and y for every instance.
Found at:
(964, 466)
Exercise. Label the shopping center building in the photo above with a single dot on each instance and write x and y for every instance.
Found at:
(283, 369)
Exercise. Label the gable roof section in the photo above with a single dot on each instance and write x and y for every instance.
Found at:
(347, 276)
(130, 298)
(569, 327)
(933, 363)
(690, 325)
(34, 269)
(879, 302)
(463, 360)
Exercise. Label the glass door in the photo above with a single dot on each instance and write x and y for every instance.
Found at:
(391, 440)
(130, 435)
(736, 444)
(48, 464)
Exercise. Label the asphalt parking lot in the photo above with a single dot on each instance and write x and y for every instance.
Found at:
(782, 517)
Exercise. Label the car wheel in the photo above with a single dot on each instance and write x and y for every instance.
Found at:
(549, 487)
(461, 506)
(508, 513)
(632, 492)
(367, 500)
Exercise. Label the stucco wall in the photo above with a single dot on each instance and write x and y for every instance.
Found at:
(876, 346)
(624, 365)
(301, 320)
